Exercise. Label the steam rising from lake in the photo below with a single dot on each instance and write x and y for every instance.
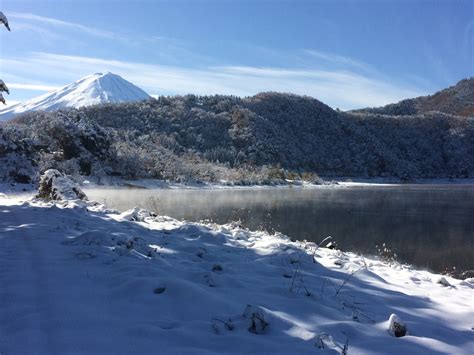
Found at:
(426, 225)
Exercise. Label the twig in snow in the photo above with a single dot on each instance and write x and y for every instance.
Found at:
(345, 349)
(318, 246)
(326, 337)
(228, 324)
(322, 241)
(347, 279)
(299, 276)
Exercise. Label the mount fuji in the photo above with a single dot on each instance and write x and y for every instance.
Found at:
(91, 90)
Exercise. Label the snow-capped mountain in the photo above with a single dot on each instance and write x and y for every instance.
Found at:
(91, 90)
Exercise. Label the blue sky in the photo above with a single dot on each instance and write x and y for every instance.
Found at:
(347, 54)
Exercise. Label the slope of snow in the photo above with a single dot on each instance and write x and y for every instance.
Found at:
(91, 90)
(78, 278)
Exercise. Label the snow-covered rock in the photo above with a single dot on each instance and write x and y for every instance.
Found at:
(442, 281)
(396, 326)
(57, 187)
(91, 90)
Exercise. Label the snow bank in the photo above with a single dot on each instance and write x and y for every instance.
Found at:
(78, 278)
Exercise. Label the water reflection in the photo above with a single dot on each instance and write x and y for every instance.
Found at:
(426, 225)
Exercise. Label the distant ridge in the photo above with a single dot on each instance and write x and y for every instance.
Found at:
(90, 90)
(456, 100)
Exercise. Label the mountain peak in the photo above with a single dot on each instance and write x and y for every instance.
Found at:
(105, 74)
(90, 90)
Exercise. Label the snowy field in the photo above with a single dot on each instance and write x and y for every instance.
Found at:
(78, 278)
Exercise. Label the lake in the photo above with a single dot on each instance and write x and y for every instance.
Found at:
(428, 226)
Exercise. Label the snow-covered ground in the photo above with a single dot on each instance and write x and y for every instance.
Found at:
(76, 277)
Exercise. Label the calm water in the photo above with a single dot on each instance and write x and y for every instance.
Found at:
(426, 225)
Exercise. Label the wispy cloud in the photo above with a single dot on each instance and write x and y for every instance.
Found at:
(33, 87)
(53, 32)
(333, 58)
(43, 33)
(64, 24)
(338, 88)
(341, 62)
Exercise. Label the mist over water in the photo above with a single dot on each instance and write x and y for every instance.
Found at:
(426, 225)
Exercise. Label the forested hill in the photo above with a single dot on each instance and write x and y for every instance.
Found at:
(455, 100)
(266, 137)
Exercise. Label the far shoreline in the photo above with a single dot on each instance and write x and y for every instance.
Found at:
(326, 182)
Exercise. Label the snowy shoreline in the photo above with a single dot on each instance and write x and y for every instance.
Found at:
(82, 277)
(337, 182)
(327, 183)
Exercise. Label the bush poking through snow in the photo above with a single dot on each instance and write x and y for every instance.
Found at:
(121, 244)
(159, 290)
(443, 281)
(57, 187)
(326, 341)
(297, 282)
(396, 326)
(137, 214)
(200, 253)
(91, 238)
(209, 280)
(387, 254)
(84, 255)
(216, 322)
(349, 276)
(135, 246)
(257, 322)
(217, 267)
(468, 274)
